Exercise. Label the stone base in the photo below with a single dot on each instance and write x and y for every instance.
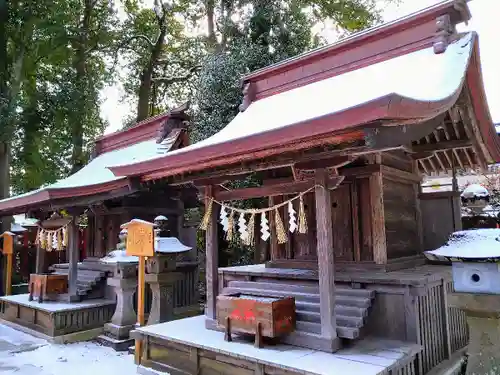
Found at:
(118, 332)
(483, 318)
(118, 345)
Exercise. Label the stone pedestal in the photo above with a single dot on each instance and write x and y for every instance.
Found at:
(161, 277)
(483, 318)
(162, 289)
(124, 283)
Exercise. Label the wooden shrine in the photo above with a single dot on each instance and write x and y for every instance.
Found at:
(71, 289)
(342, 233)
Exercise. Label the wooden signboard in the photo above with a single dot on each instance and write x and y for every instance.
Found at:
(139, 238)
(8, 250)
(261, 316)
(140, 243)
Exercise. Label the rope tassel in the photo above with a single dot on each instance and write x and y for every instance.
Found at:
(302, 217)
(280, 228)
(205, 223)
(251, 231)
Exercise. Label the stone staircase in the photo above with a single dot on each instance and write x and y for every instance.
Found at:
(351, 305)
(91, 282)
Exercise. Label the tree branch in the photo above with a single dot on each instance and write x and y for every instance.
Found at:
(139, 36)
(170, 80)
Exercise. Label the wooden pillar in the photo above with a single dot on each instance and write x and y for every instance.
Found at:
(378, 219)
(73, 259)
(98, 236)
(212, 258)
(40, 260)
(326, 267)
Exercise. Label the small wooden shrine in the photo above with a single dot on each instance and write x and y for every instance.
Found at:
(81, 215)
(340, 138)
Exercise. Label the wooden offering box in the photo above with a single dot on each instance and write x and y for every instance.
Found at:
(261, 316)
(47, 287)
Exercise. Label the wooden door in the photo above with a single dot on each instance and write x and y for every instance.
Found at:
(342, 222)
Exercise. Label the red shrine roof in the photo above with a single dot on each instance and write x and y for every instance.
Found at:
(387, 75)
(135, 144)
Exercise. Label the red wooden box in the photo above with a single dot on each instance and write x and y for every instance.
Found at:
(261, 316)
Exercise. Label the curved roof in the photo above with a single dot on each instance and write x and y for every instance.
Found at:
(412, 87)
(96, 177)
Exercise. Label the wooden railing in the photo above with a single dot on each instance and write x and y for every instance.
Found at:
(440, 327)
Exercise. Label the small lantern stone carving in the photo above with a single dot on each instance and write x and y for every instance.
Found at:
(475, 257)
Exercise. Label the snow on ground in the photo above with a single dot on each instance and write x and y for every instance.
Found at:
(22, 354)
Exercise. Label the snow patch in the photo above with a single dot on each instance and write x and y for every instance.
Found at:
(470, 244)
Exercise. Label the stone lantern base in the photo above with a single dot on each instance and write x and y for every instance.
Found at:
(483, 318)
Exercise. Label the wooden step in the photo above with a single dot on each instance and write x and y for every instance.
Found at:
(343, 300)
(339, 289)
(315, 328)
(342, 320)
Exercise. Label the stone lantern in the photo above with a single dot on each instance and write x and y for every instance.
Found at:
(161, 274)
(124, 283)
(475, 197)
(475, 257)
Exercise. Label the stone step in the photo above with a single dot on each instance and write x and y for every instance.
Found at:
(340, 290)
(118, 345)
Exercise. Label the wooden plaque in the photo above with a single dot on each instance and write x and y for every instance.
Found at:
(8, 244)
(140, 239)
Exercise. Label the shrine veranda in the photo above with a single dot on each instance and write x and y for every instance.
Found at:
(346, 222)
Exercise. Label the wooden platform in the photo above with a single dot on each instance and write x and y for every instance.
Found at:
(56, 318)
(186, 347)
(408, 305)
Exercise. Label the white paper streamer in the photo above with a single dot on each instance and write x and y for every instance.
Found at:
(292, 222)
(242, 227)
(264, 227)
(224, 219)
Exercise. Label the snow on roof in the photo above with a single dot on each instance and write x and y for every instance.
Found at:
(96, 172)
(421, 75)
(469, 244)
(475, 191)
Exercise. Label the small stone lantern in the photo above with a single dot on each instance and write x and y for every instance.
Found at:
(161, 275)
(124, 283)
(475, 257)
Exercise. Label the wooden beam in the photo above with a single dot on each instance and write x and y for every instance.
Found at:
(399, 174)
(441, 146)
(378, 219)
(336, 161)
(212, 258)
(273, 190)
(326, 266)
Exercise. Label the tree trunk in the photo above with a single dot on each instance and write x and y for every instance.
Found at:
(146, 85)
(212, 40)
(80, 65)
